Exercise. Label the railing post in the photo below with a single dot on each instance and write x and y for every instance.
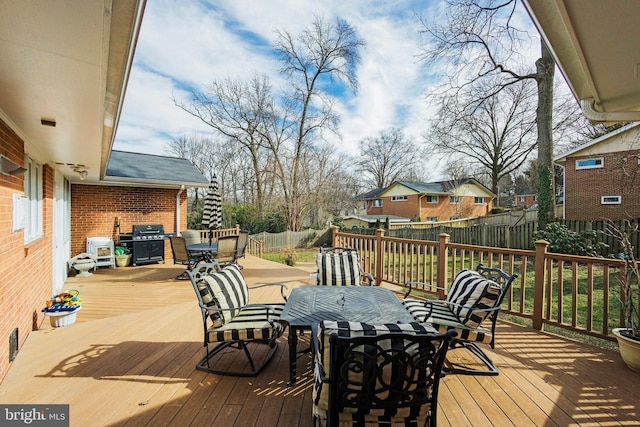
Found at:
(334, 236)
(539, 276)
(443, 263)
(378, 256)
(237, 229)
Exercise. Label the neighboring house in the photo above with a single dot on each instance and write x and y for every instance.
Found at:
(525, 199)
(430, 201)
(64, 71)
(602, 177)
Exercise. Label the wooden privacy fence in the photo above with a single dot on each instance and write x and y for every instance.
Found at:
(572, 292)
(514, 237)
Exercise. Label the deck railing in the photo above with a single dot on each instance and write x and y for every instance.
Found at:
(254, 247)
(571, 292)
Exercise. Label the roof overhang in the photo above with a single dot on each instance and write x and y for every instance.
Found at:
(67, 62)
(595, 44)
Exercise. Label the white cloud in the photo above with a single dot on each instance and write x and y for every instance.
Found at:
(189, 44)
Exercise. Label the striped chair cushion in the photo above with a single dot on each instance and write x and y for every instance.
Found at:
(339, 268)
(398, 417)
(226, 290)
(443, 319)
(472, 292)
(253, 322)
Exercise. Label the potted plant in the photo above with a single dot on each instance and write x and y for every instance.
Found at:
(628, 335)
(123, 256)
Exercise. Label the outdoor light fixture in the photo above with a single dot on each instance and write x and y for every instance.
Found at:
(8, 167)
(82, 173)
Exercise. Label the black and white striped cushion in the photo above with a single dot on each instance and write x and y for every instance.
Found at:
(228, 291)
(400, 416)
(339, 268)
(471, 291)
(253, 322)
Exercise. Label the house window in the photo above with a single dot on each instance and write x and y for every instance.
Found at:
(432, 199)
(432, 219)
(523, 198)
(454, 218)
(478, 200)
(399, 198)
(33, 192)
(454, 200)
(377, 203)
(596, 162)
(611, 200)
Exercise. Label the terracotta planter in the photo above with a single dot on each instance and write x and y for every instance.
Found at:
(629, 350)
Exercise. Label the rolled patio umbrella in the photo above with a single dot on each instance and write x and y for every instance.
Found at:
(212, 214)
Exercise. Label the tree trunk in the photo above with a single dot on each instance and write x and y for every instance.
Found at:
(546, 195)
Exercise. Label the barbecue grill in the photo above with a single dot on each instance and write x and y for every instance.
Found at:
(145, 242)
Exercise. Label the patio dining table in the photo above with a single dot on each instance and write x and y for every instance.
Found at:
(308, 305)
(208, 251)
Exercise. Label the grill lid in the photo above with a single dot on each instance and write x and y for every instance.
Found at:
(147, 230)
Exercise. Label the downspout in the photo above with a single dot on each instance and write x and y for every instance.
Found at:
(588, 107)
(178, 210)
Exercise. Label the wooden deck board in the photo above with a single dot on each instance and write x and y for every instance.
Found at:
(130, 360)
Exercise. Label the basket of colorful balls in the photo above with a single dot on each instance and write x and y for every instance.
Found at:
(62, 308)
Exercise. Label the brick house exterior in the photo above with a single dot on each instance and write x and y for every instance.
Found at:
(94, 210)
(434, 201)
(602, 177)
(525, 200)
(26, 269)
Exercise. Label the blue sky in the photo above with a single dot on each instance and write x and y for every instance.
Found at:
(187, 44)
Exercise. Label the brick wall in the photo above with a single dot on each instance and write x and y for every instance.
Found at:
(584, 188)
(416, 206)
(26, 270)
(94, 210)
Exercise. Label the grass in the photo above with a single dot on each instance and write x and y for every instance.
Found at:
(291, 256)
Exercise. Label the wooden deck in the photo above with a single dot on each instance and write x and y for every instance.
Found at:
(130, 358)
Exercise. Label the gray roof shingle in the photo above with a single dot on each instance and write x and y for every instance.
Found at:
(149, 168)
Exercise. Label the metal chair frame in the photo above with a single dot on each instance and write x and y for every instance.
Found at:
(504, 280)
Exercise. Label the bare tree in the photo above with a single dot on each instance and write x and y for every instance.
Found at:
(386, 158)
(236, 110)
(478, 40)
(320, 55)
(192, 148)
(498, 134)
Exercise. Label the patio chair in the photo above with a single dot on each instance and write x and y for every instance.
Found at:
(227, 248)
(243, 240)
(473, 297)
(230, 322)
(192, 237)
(182, 256)
(341, 267)
(377, 374)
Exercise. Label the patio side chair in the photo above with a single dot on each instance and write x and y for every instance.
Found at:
(341, 267)
(227, 248)
(377, 374)
(243, 240)
(475, 297)
(181, 255)
(230, 322)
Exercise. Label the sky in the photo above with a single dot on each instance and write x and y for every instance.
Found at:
(185, 45)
